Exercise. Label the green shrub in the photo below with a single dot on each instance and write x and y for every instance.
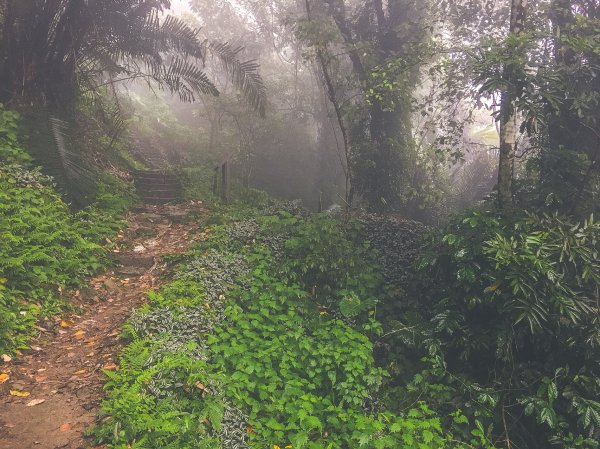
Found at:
(287, 370)
(511, 326)
(168, 402)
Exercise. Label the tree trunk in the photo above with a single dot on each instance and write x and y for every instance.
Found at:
(508, 117)
(349, 192)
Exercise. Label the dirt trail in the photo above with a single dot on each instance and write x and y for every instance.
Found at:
(63, 371)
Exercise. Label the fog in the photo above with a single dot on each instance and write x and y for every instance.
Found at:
(302, 148)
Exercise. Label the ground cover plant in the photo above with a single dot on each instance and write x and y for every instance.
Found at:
(45, 248)
(264, 339)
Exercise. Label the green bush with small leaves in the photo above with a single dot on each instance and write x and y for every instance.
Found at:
(280, 333)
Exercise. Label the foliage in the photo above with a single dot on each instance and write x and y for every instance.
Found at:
(80, 46)
(242, 317)
(509, 320)
(9, 140)
(398, 244)
(168, 401)
(45, 248)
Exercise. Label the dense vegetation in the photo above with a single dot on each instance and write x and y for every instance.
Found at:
(45, 247)
(264, 340)
(511, 326)
(477, 326)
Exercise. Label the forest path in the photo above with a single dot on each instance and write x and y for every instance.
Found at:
(62, 374)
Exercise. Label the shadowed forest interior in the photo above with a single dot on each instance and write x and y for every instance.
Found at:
(311, 224)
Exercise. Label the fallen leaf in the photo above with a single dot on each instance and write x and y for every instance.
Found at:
(79, 334)
(40, 379)
(20, 394)
(35, 402)
(4, 378)
(81, 371)
(65, 427)
(110, 367)
(6, 358)
(202, 387)
(65, 323)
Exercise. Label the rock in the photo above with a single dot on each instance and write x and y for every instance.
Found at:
(110, 284)
(131, 271)
(134, 260)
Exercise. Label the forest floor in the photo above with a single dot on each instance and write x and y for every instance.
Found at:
(55, 389)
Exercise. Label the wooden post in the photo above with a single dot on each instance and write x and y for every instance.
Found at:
(216, 180)
(225, 182)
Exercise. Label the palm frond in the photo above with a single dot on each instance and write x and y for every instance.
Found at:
(180, 37)
(72, 46)
(244, 74)
(185, 78)
(75, 169)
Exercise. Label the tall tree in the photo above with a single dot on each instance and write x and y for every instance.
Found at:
(382, 43)
(508, 113)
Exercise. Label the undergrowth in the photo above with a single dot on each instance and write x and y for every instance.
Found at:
(45, 248)
(265, 340)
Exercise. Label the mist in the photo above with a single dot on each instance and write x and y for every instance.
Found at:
(299, 149)
(299, 224)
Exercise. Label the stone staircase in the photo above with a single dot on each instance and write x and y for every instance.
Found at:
(156, 186)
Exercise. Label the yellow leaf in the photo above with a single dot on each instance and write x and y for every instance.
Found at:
(202, 387)
(20, 394)
(65, 323)
(276, 447)
(79, 334)
(4, 378)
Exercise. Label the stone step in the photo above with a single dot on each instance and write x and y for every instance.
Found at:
(156, 187)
